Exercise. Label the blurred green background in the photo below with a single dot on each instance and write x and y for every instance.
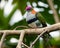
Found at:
(12, 14)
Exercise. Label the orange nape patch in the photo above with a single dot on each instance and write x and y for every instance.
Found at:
(33, 11)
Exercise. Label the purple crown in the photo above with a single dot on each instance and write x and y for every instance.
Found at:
(28, 7)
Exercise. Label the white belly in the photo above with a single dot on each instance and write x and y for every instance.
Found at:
(33, 25)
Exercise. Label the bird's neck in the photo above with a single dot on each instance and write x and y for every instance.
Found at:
(33, 11)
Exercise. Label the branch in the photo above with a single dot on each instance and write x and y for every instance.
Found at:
(25, 45)
(33, 31)
(55, 14)
(20, 27)
(29, 31)
(37, 39)
(2, 40)
(20, 40)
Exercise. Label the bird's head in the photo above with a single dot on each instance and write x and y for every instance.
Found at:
(29, 8)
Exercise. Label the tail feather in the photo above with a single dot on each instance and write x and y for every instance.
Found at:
(46, 39)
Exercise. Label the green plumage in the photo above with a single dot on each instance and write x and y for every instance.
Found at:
(41, 19)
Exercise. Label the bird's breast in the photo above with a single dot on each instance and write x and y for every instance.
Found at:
(33, 25)
(32, 20)
(30, 16)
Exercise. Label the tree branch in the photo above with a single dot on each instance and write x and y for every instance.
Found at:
(25, 45)
(33, 31)
(2, 39)
(20, 40)
(37, 39)
(28, 31)
(55, 14)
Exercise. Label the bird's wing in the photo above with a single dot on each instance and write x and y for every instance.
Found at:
(41, 19)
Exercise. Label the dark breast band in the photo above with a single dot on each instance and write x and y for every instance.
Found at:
(32, 20)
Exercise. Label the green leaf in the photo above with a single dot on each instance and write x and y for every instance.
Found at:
(1, 16)
(2, 19)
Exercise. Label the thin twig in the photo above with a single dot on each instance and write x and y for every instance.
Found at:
(55, 14)
(37, 38)
(20, 27)
(20, 40)
(25, 45)
(2, 39)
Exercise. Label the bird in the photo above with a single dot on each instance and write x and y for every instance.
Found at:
(36, 20)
